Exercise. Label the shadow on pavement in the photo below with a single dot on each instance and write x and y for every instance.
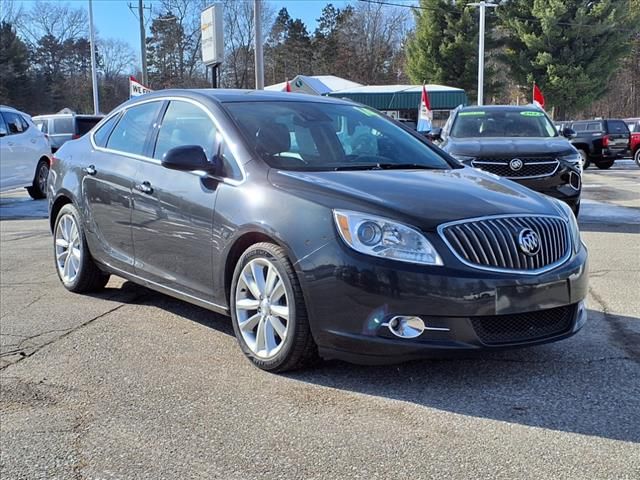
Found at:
(578, 385)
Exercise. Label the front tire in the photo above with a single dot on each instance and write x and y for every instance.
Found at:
(38, 189)
(75, 266)
(268, 311)
(636, 156)
(605, 164)
(585, 159)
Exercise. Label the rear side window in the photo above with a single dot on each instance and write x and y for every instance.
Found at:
(579, 127)
(42, 125)
(617, 126)
(84, 124)
(3, 126)
(594, 127)
(15, 123)
(102, 134)
(130, 134)
(25, 123)
(63, 125)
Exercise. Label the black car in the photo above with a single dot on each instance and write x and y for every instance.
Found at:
(322, 227)
(515, 142)
(601, 141)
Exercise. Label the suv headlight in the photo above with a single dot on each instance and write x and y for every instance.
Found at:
(381, 237)
(574, 159)
(574, 230)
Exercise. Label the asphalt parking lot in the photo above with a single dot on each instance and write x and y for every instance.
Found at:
(132, 384)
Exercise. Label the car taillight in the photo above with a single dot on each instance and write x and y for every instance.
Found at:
(75, 136)
(53, 160)
(605, 141)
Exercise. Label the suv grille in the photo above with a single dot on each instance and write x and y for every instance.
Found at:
(530, 167)
(494, 243)
(522, 327)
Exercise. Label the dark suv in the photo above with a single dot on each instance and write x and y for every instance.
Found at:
(601, 141)
(516, 142)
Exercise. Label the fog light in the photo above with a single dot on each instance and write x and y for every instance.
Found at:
(574, 180)
(406, 327)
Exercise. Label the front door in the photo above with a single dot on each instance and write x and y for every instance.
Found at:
(172, 218)
(108, 180)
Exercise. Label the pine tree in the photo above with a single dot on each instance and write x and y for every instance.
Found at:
(14, 79)
(570, 48)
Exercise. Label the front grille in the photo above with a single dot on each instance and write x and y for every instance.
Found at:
(531, 167)
(522, 327)
(493, 243)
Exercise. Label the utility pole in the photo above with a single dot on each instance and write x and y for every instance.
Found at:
(143, 42)
(94, 75)
(483, 6)
(257, 7)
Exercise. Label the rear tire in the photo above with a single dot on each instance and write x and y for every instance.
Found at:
(268, 311)
(636, 156)
(38, 189)
(585, 159)
(73, 261)
(605, 164)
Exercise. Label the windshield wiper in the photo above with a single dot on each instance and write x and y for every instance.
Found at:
(385, 166)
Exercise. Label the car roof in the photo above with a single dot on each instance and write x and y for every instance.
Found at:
(10, 109)
(68, 115)
(221, 95)
(515, 108)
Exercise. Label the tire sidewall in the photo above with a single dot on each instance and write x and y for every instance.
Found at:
(636, 156)
(70, 209)
(281, 357)
(585, 159)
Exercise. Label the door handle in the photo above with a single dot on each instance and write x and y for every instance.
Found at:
(90, 170)
(144, 187)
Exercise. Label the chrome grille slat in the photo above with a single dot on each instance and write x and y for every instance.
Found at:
(492, 243)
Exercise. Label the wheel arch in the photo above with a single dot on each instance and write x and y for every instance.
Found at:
(60, 201)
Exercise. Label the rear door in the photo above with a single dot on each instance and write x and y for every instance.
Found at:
(18, 168)
(108, 181)
(172, 218)
(62, 129)
(619, 136)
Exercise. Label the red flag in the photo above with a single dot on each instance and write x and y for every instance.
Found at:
(287, 87)
(537, 96)
(425, 98)
(425, 116)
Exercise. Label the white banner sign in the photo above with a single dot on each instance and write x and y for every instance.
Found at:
(212, 38)
(136, 88)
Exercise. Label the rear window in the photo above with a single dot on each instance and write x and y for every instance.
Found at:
(63, 125)
(617, 126)
(84, 124)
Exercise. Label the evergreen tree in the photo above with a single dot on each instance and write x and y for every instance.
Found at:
(444, 47)
(14, 79)
(570, 48)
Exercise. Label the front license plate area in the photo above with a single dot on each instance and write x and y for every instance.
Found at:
(522, 298)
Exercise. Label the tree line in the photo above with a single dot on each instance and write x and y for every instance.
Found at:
(584, 54)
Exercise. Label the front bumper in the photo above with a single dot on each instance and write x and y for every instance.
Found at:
(565, 185)
(350, 296)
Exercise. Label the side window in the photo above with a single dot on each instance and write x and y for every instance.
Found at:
(102, 134)
(579, 127)
(3, 126)
(130, 133)
(14, 123)
(42, 125)
(25, 123)
(594, 127)
(185, 124)
(63, 125)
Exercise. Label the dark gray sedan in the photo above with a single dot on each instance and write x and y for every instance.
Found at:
(322, 227)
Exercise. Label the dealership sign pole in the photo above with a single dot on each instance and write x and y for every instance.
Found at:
(483, 5)
(212, 40)
(94, 75)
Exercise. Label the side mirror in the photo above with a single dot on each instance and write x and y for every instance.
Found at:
(188, 158)
(569, 133)
(434, 134)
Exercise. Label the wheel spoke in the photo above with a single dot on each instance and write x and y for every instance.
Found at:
(62, 255)
(278, 326)
(250, 323)
(281, 311)
(260, 344)
(65, 269)
(278, 292)
(61, 242)
(257, 271)
(75, 253)
(247, 280)
(247, 304)
(269, 337)
(272, 278)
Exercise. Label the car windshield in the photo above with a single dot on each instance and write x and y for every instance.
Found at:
(293, 135)
(502, 123)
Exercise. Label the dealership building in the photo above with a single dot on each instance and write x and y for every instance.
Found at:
(397, 101)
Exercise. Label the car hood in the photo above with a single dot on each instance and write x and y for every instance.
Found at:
(424, 198)
(509, 146)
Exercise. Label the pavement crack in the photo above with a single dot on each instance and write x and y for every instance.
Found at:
(64, 335)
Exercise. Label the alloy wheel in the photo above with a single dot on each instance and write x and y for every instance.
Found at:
(68, 248)
(43, 176)
(262, 308)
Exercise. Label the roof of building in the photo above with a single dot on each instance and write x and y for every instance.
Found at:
(319, 84)
(398, 88)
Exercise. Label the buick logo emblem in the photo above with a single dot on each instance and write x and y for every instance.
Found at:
(515, 164)
(529, 242)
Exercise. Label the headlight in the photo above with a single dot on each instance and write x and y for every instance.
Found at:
(384, 238)
(574, 230)
(574, 159)
(466, 159)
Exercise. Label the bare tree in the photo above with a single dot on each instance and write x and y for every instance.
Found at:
(10, 11)
(58, 20)
(116, 57)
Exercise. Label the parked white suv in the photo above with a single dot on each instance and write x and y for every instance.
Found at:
(25, 153)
